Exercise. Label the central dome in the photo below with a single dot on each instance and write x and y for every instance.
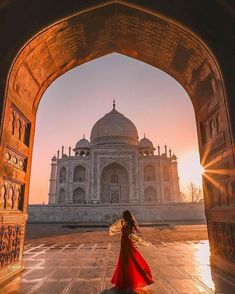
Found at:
(114, 128)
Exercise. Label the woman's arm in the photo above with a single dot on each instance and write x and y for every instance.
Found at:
(116, 227)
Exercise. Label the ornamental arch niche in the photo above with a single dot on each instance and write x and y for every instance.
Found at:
(114, 184)
(61, 197)
(79, 174)
(149, 173)
(150, 194)
(62, 175)
(64, 37)
(79, 196)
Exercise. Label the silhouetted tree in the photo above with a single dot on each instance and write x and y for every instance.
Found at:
(194, 192)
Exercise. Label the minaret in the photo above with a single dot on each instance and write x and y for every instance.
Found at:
(175, 178)
(158, 150)
(53, 178)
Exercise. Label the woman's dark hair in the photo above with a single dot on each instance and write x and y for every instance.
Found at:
(128, 217)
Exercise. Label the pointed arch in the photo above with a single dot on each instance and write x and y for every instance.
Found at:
(167, 194)
(62, 177)
(150, 194)
(114, 184)
(79, 174)
(61, 197)
(79, 196)
(149, 173)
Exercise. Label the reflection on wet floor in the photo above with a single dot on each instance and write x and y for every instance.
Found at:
(177, 267)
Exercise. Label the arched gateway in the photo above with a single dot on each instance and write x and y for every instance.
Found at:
(70, 33)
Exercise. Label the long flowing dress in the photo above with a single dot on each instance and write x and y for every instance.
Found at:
(131, 271)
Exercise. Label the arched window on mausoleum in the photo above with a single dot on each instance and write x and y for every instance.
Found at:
(61, 199)
(166, 173)
(150, 194)
(79, 174)
(149, 173)
(62, 178)
(114, 184)
(114, 179)
(79, 196)
(167, 194)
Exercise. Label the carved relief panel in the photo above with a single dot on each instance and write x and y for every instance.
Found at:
(212, 129)
(19, 125)
(223, 240)
(10, 236)
(223, 191)
(16, 159)
(204, 83)
(11, 195)
(108, 160)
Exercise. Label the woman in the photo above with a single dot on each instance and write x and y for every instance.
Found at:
(132, 271)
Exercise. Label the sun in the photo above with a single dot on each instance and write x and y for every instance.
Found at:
(201, 169)
(190, 169)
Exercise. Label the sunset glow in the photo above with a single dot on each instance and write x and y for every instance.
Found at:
(155, 102)
(190, 169)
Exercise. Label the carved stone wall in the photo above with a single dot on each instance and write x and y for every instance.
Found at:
(223, 240)
(212, 129)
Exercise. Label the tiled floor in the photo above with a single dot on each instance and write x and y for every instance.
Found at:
(86, 268)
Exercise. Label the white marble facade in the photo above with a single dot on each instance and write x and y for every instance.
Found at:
(114, 167)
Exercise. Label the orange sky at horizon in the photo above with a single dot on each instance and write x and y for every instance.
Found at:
(151, 99)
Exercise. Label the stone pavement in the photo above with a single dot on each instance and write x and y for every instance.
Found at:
(85, 268)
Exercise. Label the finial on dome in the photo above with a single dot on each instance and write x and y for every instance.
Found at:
(144, 135)
(114, 104)
(84, 136)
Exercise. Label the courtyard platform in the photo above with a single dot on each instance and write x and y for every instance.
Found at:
(64, 259)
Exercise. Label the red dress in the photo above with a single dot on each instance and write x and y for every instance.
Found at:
(131, 271)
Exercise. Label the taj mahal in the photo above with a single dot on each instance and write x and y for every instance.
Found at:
(114, 167)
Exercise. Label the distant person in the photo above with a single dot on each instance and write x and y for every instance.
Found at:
(132, 271)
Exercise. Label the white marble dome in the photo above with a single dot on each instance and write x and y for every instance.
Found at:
(83, 144)
(114, 128)
(145, 143)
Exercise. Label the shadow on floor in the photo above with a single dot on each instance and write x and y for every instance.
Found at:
(224, 284)
(116, 291)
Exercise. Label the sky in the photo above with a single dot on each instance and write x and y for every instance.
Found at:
(155, 102)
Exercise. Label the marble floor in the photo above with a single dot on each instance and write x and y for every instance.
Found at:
(178, 267)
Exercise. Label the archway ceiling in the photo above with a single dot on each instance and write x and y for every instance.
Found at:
(112, 28)
(24, 19)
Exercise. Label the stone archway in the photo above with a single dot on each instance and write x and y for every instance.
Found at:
(88, 32)
(114, 184)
